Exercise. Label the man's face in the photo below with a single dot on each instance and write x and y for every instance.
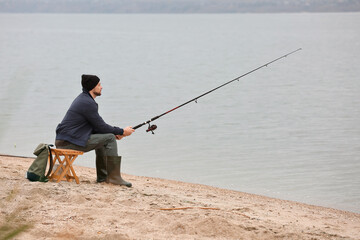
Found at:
(97, 89)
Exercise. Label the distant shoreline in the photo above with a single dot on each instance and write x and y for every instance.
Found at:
(179, 13)
(177, 6)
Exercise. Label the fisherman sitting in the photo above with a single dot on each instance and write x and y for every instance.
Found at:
(84, 129)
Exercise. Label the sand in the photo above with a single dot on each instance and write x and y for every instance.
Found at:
(154, 209)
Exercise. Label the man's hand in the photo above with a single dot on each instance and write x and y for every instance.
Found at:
(128, 131)
(119, 137)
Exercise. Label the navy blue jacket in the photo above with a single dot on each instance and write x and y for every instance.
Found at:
(83, 119)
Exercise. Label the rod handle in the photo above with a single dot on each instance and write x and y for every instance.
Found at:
(137, 126)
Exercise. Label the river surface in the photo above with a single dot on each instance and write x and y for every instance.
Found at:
(290, 130)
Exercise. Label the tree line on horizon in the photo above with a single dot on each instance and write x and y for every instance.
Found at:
(177, 6)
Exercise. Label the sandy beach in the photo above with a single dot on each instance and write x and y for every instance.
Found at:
(154, 209)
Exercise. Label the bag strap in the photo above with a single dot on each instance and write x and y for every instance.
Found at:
(51, 161)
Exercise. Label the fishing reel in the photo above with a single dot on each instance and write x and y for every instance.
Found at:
(151, 128)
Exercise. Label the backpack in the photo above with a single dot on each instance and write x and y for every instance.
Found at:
(36, 171)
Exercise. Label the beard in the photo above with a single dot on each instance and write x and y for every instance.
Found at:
(97, 93)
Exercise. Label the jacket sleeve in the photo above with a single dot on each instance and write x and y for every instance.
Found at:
(99, 125)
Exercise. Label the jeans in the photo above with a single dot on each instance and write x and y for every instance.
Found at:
(103, 144)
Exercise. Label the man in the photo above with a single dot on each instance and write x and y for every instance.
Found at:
(83, 129)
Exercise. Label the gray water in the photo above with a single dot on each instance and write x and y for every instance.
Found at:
(290, 130)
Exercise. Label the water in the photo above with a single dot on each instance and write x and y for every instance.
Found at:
(290, 130)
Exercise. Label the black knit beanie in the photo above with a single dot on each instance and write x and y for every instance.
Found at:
(89, 81)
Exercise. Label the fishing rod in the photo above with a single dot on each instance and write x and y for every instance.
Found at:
(151, 128)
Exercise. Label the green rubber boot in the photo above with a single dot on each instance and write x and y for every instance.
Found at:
(113, 164)
(101, 172)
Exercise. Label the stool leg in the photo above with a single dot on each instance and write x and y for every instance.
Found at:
(65, 168)
(73, 171)
(54, 174)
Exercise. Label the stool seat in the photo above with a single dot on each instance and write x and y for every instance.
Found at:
(65, 159)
